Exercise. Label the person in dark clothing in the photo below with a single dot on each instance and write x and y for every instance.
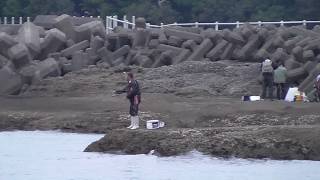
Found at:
(267, 84)
(317, 87)
(134, 97)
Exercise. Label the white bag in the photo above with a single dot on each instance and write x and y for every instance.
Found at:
(291, 93)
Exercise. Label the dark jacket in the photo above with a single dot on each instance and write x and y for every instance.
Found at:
(133, 89)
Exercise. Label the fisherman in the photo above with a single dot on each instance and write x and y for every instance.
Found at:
(267, 84)
(280, 80)
(134, 97)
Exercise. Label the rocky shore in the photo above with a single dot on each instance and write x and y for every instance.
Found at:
(247, 142)
(214, 122)
(60, 75)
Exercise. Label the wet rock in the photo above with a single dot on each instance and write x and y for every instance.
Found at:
(298, 53)
(308, 56)
(46, 21)
(307, 85)
(124, 39)
(96, 43)
(141, 23)
(184, 35)
(233, 37)
(174, 50)
(19, 55)
(175, 41)
(29, 35)
(292, 64)
(297, 74)
(141, 38)
(85, 31)
(64, 24)
(183, 56)
(10, 29)
(154, 43)
(123, 51)
(10, 81)
(227, 54)
(28, 73)
(77, 47)
(201, 50)
(190, 44)
(251, 46)
(93, 56)
(79, 60)
(3, 61)
(165, 59)
(165, 144)
(217, 50)
(54, 41)
(275, 143)
(6, 42)
(113, 42)
(105, 55)
(49, 67)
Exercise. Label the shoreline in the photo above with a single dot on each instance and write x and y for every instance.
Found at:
(241, 132)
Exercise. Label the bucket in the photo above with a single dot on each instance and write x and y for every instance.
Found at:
(155, 124)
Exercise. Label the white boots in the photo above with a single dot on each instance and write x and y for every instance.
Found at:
(131, 123)
(134, 122)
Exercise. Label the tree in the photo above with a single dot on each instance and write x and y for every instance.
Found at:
(184, 8)
(14, 8)
(153, 12)
(91, 7)
(168, 11)
(58, 7)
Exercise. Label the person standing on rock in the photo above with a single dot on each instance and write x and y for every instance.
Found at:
(267, 83)
(134, 97)
(280, 80)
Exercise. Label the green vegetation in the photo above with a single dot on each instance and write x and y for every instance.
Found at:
(169, 11)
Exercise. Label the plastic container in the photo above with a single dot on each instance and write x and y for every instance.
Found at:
(155, 124)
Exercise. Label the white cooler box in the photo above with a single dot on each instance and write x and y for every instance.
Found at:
(155, 124)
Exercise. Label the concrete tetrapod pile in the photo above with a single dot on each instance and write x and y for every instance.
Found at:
(56, 45)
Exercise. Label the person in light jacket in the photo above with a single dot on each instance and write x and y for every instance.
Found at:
(280, 80)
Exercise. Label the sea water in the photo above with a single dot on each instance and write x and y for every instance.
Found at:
(59, 156)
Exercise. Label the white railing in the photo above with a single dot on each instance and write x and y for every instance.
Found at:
(21, 20)
(14, 20)
(113, 21)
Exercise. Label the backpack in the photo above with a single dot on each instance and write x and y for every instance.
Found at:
(267, 67)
